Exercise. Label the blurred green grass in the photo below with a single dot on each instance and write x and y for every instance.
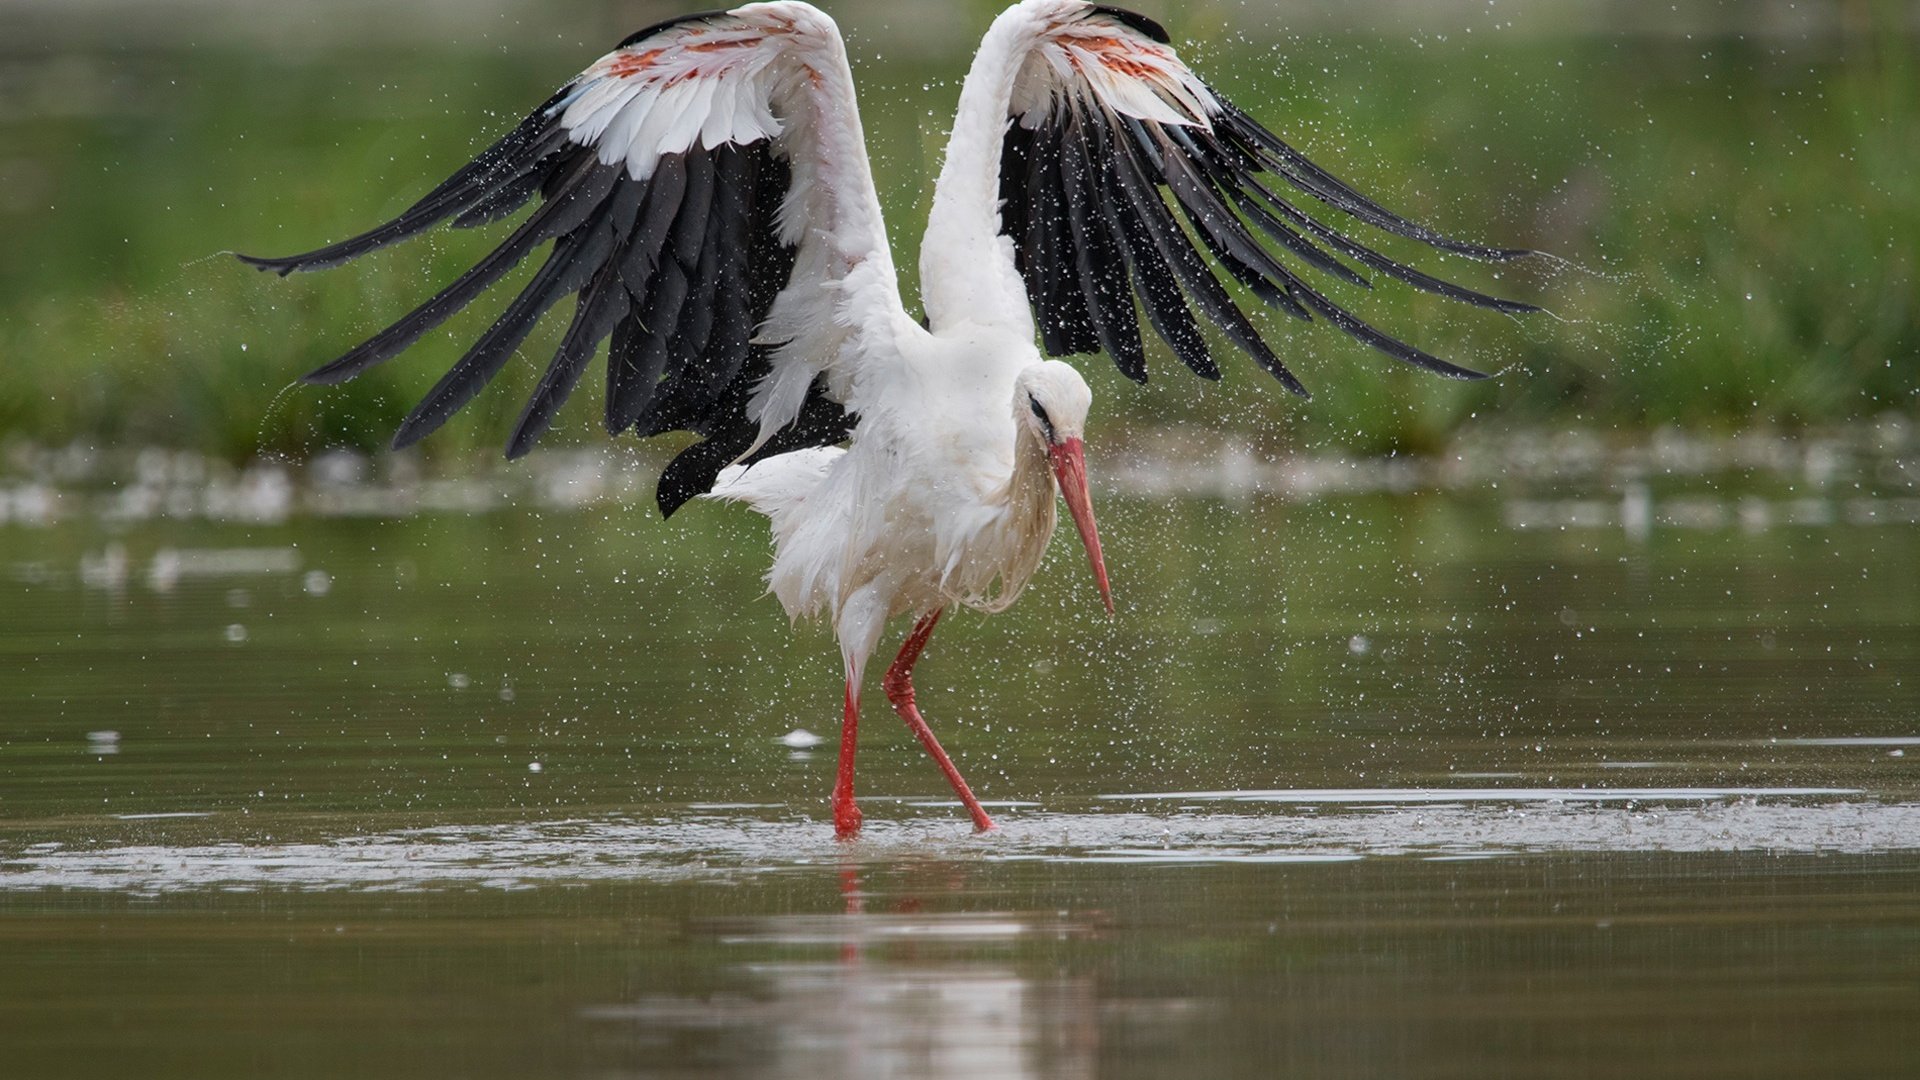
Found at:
(1738, 219)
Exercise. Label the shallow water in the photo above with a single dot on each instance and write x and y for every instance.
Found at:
(1535, 778)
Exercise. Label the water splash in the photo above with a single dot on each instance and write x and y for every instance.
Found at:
(1208, 827)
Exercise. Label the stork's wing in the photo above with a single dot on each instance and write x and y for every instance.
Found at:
(707, 194)
(1106, 116)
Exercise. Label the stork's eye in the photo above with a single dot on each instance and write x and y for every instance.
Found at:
(1046, 424)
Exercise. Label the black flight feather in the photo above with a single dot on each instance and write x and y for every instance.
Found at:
(639, 36)
(822, 422)
(600, 309)
(1305, 175)
(1158, 290)
(1016, 155)
(1102, 269)
(575, 259)
(674, 280)
(588, 183)
(1224, 235)
(603, 302)
(1066, 327)
(1134, 20)
(1198, 281)
(687, 348)
(512, 193)
(1368, 257)
(1081, 193)
(497, 165)
(648, 244)
(732, 333)
(678, 270)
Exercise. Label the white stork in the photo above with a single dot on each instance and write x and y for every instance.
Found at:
(709, 201)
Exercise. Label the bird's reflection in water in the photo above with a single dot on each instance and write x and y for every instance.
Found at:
(895, 992)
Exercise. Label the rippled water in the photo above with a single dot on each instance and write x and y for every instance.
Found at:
(1541, 778)
(706, 843)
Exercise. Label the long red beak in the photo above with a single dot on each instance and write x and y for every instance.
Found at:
(1070, 469)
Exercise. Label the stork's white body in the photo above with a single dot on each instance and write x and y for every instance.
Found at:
(935, 501)
(941, 497)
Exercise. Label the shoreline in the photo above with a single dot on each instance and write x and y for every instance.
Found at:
(1862, 473)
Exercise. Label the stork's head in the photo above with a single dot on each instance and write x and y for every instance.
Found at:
(1050, 402)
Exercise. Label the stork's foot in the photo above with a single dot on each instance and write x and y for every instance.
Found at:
(846, 818)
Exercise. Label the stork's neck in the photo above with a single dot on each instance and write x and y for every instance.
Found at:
(966, 270)
(1030, 490)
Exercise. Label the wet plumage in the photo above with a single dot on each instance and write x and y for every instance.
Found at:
(706, 201)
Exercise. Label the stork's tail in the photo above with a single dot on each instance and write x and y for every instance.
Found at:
(779, 484)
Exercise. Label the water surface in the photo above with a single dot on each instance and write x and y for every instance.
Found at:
(1532, 777)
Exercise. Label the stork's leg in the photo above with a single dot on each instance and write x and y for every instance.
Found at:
(899, 684)
(846, 815)
(858, 626)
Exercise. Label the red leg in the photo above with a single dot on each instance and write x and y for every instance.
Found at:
(899, 684)
(846, 816)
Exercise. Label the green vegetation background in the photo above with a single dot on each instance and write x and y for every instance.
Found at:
(1740, 217)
